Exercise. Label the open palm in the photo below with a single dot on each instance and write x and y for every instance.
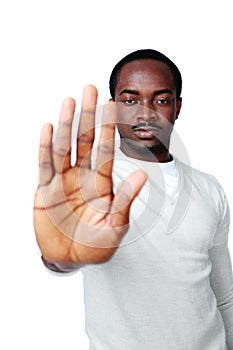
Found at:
(77, 218)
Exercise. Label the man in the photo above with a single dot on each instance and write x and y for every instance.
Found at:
(152, 248)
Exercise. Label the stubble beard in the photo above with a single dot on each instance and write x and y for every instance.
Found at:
(143, 150)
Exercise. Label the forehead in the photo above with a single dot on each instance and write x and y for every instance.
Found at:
(145, 73)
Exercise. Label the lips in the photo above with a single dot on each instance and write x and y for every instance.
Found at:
(146, 132)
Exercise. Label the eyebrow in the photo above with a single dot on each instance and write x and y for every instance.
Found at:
(135, 92)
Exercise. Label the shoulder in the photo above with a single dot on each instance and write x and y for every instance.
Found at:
(207, 194)
(206, 184)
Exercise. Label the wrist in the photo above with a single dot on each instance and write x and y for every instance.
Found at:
(61, 267)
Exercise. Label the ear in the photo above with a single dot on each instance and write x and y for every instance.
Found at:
(178, 107)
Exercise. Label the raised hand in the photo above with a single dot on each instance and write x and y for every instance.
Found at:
(77, 217)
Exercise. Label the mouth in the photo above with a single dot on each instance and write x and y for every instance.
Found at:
(146, 132)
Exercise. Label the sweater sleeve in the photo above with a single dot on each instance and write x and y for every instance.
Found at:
(221, 277)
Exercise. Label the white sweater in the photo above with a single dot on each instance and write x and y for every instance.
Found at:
(169, 286)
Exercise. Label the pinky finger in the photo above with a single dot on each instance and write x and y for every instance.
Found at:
(46, 170)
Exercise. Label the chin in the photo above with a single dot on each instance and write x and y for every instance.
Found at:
(142, 147)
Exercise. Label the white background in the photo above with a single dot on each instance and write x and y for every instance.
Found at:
(50, 50)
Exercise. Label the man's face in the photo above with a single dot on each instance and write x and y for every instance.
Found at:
(147, 110)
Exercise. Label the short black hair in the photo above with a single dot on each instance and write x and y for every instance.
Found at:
(145, 54)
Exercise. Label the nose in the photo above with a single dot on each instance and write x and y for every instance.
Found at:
(146, 113)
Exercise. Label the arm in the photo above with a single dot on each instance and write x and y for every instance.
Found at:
(61, 268)
(221, 277)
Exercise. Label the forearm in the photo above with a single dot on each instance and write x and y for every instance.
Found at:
(222, 284)
(227, 316)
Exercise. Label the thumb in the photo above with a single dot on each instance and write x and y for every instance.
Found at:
(126, 193)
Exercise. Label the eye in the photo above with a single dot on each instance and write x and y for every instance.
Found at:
(129, 101)
(162, 101)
